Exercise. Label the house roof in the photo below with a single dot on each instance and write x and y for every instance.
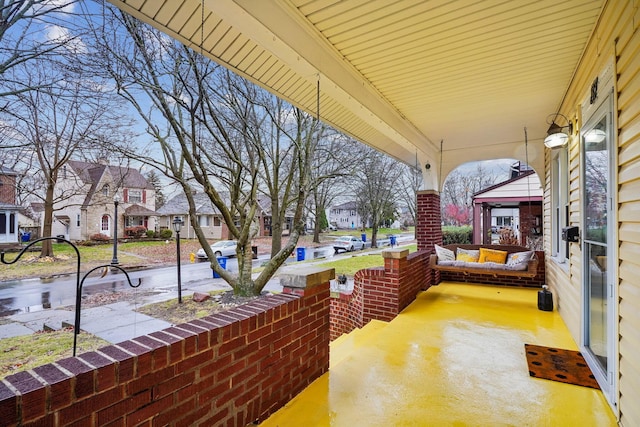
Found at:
(347, 205)
(9, 207)
(93, 173)
(137, 210)
(179, 205)
(522, 187)
(7, 171)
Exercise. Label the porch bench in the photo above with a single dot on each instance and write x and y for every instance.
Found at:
(492, 269)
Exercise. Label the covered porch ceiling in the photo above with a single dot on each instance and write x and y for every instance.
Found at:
(403, 75)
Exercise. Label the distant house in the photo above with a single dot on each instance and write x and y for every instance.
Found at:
(514, 204)
(345, 216)
(86, 193)
(9, 230)
(210, 219)
(207, 216)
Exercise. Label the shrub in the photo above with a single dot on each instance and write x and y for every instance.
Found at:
(457, 235)
(136, 231)
(151, 233)
(165, 233)
(99, 237)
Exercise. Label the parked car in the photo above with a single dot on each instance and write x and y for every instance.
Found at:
(332, 227)
(348, 244)
(224, 248)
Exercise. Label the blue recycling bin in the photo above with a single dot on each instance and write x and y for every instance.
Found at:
(223, 263)
(364, 237)
(300, 254)
(26, 236)
(393, 240)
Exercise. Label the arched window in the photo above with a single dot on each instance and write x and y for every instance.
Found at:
(104, 227)
(105, 190)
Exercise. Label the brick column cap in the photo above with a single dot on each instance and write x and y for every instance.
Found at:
(306, 277)
(395, 253)
(436, 192)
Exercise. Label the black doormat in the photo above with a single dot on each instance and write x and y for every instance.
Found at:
(566, 366)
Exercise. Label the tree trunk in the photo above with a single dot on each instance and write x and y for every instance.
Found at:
(47, 246)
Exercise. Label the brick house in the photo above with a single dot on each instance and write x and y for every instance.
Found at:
(89, 208)
(9, 231)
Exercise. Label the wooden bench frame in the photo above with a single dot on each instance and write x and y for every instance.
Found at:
(531, 271)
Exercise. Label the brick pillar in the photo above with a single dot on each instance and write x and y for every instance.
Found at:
(429, 222)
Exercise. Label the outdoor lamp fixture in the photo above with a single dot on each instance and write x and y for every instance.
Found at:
(556, 137)
(177, 226)
(116, 200)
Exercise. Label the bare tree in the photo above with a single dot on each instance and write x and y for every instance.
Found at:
(458, 190)
(53, 122)
(22, 23)
(376, 184)
(208, 130)
(410, 184)
(331, 170)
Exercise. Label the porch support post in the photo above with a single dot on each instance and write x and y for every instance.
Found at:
(428, 221)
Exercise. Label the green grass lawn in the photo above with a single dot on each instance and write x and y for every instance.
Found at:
(351, 265)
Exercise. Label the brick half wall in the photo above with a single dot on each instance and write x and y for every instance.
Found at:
(380, 293)
(230, 368)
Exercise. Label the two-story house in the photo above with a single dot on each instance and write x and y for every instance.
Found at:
(345, 215)
(86, 196)
(9, 231)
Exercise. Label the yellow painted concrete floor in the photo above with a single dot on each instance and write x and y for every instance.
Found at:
(454, 357)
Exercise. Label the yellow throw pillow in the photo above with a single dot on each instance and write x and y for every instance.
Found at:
(492, 255)
(467, 255)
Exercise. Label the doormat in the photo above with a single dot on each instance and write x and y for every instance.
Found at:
(566, 366)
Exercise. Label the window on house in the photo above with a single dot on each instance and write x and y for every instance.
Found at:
(104, 224)
(3, 223)
(12, 223)
(216, 221)
(204, 220)
(78, 220)
(559, 203)
(105, 190)
(135, 196)
(504, 221)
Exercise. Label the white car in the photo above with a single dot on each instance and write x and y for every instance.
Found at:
(348, 244)
(224, 248)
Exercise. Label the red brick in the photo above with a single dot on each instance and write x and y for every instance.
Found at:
(149, 411)
(123, 407)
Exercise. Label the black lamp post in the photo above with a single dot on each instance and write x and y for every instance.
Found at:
(116, 200)
(177, 226)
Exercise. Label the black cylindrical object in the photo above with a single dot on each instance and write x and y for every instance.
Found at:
(545, 299)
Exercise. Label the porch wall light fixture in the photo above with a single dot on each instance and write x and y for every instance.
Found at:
(556, 136)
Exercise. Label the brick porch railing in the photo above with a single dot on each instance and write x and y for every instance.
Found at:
(231, 368)
(380, 293)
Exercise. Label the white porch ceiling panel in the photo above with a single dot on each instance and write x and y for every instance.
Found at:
(401, 75)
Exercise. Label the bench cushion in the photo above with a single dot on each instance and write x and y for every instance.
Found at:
(468, 255)
(444, 254)
(492, 255)
(519, 259)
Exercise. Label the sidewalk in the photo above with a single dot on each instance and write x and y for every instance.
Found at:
(114, 322)
(119, 321)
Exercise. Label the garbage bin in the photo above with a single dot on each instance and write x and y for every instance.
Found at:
(254, 249)
(300, 254)
(26, 237)
(60, 238)
(364, 237)
(392, 240)
(223, 263)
